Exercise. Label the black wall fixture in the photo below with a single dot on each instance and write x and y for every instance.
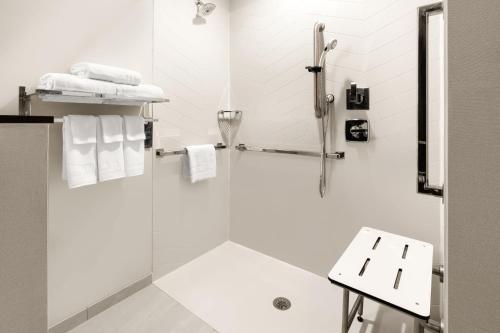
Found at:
(357, 130)
(357, 98)
(148, 131)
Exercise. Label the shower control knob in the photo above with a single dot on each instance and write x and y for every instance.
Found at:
(357, 130)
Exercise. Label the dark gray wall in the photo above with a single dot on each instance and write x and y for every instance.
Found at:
(23, 228)
(474, 164)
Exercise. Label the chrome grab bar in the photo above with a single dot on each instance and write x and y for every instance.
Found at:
(423, 186)
(335, 156)
(162, 152)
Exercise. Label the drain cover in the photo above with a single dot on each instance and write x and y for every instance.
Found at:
(282, 303)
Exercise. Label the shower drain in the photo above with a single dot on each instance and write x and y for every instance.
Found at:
(282, 303)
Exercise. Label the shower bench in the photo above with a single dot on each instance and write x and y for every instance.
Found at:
(389, 269)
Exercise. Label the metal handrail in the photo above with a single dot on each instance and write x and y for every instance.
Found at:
(162, 152)
(336, 155)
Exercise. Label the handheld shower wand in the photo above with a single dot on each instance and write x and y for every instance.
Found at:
(322, 101)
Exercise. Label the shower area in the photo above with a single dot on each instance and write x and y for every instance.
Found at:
(327, 118)
(325, 143)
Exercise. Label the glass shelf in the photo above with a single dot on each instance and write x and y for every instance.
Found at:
(92, 98)
(62, 96)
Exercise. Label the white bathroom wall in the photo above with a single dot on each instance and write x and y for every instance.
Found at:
(99, 237)
(275, 204)
(191, 63)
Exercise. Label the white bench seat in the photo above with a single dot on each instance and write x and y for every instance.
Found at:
(389, 269)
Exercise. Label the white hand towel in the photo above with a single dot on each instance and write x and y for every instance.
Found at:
(142, 91)
(83, 129)
(106, 73)
(110, 159)
(79, 160)
(202, 162)
(133, 145)
(68, 82)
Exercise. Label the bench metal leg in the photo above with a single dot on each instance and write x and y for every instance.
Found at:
(360, 310)
(418, 327)
(348, 315)
(345, 312)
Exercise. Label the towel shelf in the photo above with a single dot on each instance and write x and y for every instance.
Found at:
(162, 152)
(336, 156)
(62, 96)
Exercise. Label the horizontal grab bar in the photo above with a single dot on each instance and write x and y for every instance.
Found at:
(336, 155)
(162, 152)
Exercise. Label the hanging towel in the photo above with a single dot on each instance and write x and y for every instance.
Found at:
(90, 70)
(110, 159)
(133, 145)
(68, 82)
(79, 151)
(143, 91)
(202, 162)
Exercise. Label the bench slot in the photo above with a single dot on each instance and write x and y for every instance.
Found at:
(405, 251)
(362, 271)
(398, 278)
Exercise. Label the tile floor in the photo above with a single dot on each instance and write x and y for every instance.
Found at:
(148, 311)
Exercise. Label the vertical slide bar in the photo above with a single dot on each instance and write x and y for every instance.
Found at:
(422, 164)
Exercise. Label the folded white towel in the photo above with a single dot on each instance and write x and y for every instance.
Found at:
(202, 162)
(134, 128)
(142, 91)
(106, 73)
(112, 128)
(68, 82)
(79, 160)
(83, 129)
(110, 159)
(133, 145)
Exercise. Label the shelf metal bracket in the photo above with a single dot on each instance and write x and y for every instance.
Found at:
(24, 102)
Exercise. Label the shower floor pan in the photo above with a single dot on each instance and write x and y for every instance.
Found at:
(233, 288)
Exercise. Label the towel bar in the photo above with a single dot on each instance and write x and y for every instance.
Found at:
(146, 120)
(162, 152)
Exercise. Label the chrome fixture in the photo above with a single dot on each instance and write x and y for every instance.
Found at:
(322, 100)
(335, 156)
(357, 130)
(439, 271)
(162, 152)
(423, 185)
(204, 9)
(357, 98)
(229, 123)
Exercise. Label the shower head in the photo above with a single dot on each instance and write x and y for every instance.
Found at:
(204, 9)
(330, 46)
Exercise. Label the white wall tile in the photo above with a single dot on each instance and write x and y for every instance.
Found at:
(375, 184)
(191, 63)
